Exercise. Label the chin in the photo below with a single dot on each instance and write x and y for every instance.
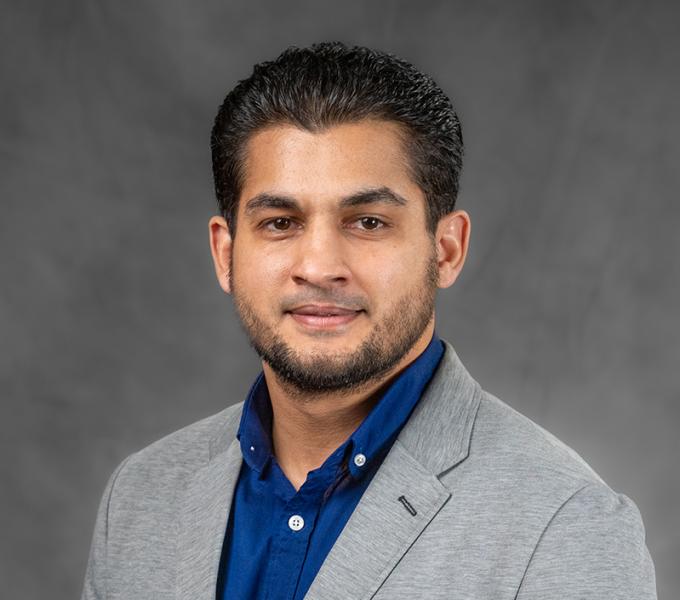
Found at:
(308, 343)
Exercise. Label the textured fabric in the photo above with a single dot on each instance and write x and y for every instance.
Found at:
(473, 501)
(263, 557)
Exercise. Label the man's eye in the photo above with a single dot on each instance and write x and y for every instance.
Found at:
(278, 224)
(371, 223)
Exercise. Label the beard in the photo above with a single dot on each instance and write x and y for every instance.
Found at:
(387, 343)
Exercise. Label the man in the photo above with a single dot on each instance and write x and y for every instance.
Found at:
(365, 462)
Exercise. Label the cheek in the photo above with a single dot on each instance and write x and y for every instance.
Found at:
(388, 274)
(259, 270)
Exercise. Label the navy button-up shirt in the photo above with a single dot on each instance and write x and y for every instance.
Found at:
(277, 537)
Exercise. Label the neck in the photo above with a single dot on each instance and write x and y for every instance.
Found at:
(307, 428)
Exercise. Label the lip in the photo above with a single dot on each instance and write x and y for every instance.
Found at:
(323, 316)
(322, 310)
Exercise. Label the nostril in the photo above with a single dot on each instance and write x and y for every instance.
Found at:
(319, 278)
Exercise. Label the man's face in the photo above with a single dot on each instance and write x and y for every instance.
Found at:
(333, 271)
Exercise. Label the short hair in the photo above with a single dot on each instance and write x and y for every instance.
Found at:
(330, 84)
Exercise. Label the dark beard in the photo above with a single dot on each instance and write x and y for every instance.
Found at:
(387, 344)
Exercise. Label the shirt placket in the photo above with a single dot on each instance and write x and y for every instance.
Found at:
(296, 519)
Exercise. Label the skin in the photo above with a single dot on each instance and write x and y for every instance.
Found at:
(372, 257)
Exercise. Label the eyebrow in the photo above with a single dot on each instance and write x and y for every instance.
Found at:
(382, 195)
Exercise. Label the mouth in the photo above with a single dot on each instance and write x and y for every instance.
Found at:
(320, 317)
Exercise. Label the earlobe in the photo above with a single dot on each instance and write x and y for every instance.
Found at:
(220, 248)
(452, 239)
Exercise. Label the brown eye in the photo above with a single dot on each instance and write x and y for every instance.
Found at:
(370, 222)
(281, 223)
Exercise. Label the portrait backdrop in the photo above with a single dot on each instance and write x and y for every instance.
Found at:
(115, 332)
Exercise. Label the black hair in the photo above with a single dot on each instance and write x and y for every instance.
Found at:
(328, 84)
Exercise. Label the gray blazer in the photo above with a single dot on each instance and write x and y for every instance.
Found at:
(495, 508)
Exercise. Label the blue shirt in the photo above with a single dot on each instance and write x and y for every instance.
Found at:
(277, 537)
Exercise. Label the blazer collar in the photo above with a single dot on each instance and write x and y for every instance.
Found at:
(438, 433)
(224, 435)
(204, 509)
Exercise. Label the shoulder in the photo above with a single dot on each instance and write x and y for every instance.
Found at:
(548, 512)
(592, 546)
(530, 460)
(517, 471)
(163, 465)
(141, 507)
(513, 440)
(532, 473)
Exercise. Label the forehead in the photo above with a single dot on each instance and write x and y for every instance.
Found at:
(328, 164)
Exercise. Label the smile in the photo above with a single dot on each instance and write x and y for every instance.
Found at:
(323, 317)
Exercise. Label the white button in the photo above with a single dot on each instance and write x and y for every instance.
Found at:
(359, 460)
(252, 448)
(296, 522)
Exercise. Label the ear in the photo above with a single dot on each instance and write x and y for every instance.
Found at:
(220, 247)
(452, 238)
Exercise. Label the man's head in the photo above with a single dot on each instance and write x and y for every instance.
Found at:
(344, 201)
(329, 84)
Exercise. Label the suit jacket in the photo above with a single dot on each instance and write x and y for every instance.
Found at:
(473, 501)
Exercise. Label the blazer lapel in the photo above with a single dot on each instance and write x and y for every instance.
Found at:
(203, 520)
(406, 493)
(398, 504)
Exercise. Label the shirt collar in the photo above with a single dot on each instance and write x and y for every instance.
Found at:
(255, 429)
(376, 432)
(382, 425)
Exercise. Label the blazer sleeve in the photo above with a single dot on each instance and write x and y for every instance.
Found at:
(592, 548)
(96, 574)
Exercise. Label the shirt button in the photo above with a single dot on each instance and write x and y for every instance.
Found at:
(359, 460)
(296, 522)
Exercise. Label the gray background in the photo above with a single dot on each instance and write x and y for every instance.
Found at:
(114, 331)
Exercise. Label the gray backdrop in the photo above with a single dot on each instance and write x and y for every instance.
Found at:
(114, 331)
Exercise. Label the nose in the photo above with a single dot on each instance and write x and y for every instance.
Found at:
(320, 258)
